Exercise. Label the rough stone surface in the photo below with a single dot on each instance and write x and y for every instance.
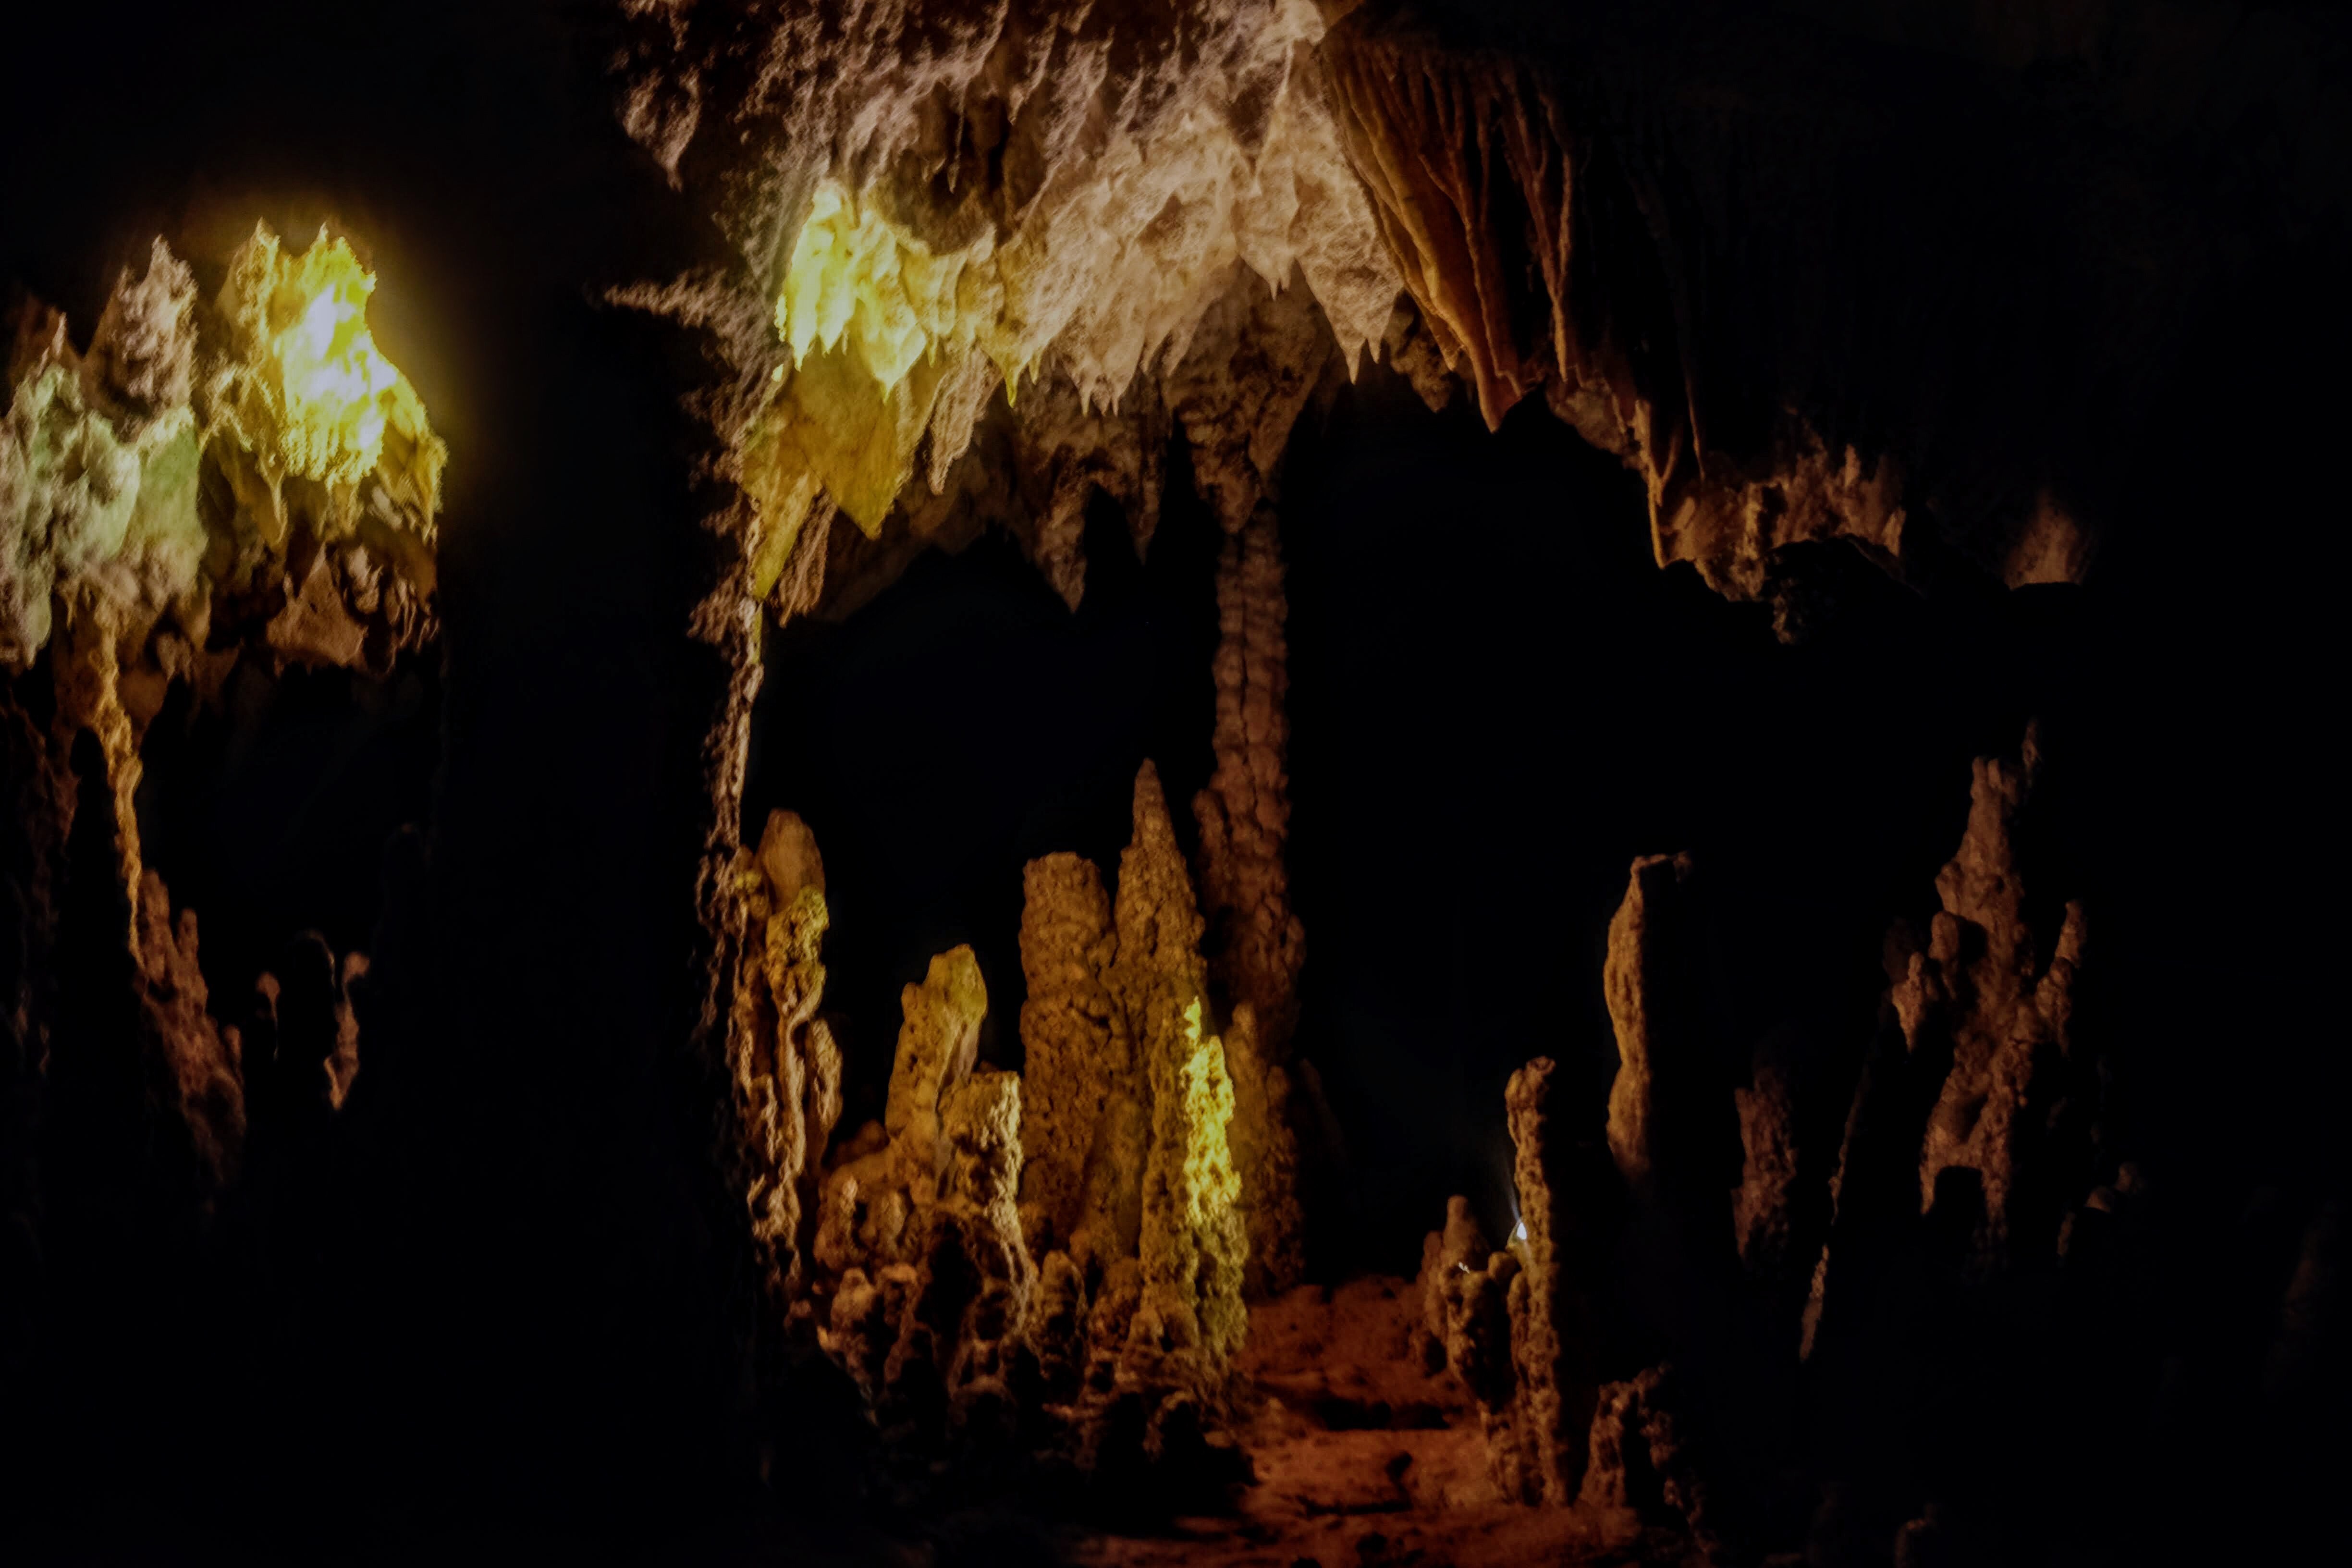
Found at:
(1993, 996)
(1073, 1040)
(1552, 1325)
(785, 1067)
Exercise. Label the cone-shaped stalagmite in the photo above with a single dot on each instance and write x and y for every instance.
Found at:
(1192, 1245)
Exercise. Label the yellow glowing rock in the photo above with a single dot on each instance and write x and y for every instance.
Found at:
(1143, 163)
(302, 391)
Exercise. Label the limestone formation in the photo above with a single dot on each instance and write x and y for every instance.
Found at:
(1993, 996)
(1102, 176)
(785, 1067)
(1265, 1156)
(1640, 1463)
(1245, 814)
(1073, 1039)
(1663, 1079)
(1552, 1316)
(1521, 195)
(1762, 1207)
(203, 1066)
(875, 1202)
(246, 477)
(1459, 1247)
(1192, 1241)
(1074, 1275)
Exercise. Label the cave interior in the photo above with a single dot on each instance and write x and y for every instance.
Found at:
(1437, 783)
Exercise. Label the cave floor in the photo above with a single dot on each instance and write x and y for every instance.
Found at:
(1361, 1458)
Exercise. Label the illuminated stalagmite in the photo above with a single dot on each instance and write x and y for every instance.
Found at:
(1192, 1242)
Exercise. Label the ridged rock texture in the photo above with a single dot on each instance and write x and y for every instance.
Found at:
(1255, 944)
(1075, 1041)
(785, 1067)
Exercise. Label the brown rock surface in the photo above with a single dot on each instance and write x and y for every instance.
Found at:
(1073, 1039)
(785, 1067)
(1553, 1332)
(1256, 942)
(1993, 996)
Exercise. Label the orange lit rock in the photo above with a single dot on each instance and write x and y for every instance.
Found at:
(1994, 997)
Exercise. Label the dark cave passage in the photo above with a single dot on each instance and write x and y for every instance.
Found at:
(270, 813)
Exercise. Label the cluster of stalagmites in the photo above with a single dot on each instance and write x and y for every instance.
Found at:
(1656, 1278)
(1054, 1261)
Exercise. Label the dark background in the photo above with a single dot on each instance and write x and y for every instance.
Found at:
(531, 1296)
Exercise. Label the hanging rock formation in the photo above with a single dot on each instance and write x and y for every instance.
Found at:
(1245, 814)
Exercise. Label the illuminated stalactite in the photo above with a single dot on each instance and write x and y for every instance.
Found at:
(1057, 191)
(155, 493)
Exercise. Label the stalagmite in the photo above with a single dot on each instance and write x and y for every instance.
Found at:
(1552, 1318)
(203, 1067)
(875, 1202)
(1191, 1244)
(1074, 1038)
(1266, 1157)
(1256, 940)
(1995, 998)
(1659, 1102)
(785, 1067)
